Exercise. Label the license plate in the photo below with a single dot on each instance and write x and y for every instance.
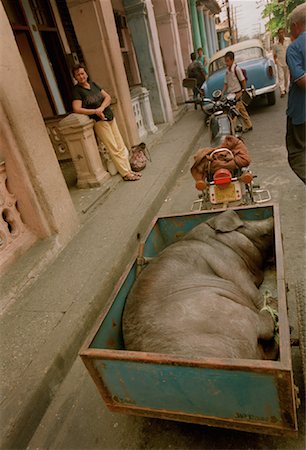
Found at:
(231, 193)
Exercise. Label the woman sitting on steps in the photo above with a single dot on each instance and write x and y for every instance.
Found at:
(92, 100)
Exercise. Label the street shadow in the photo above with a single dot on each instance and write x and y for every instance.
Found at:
(260, 105)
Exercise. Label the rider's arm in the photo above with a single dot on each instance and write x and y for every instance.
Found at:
(224, 88)
(241, 79)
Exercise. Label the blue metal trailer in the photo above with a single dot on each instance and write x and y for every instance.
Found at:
(248, 395)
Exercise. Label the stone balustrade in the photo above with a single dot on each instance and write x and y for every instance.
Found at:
(138, 117)
(57, 140)
(14, 235)
(140, 96)
(11, 225)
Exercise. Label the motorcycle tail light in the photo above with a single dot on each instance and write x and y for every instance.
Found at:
(222, 178)
(270, 71)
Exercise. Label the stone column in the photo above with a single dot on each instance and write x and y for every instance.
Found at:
(203, 32)
(169, 39)
(184, 27)
(213, 44)
(195, 25)
(142, 25)
(34, 175)
(77, 130)
(209, 36)
(214, 31)
(95, 27)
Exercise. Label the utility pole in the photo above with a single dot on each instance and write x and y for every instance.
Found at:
(229, 20)
(234, 24)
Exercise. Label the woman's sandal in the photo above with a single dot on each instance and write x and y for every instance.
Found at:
(131, 177)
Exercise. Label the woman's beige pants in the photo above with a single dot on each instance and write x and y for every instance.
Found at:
(109, 134)
(283, 78)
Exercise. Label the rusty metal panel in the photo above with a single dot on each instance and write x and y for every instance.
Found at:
(242, 396)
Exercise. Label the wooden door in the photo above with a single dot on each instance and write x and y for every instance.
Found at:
(36, 79)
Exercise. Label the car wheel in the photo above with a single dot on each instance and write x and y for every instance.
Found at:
(271, 98)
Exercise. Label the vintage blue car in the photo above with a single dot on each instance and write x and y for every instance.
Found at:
(251, 56)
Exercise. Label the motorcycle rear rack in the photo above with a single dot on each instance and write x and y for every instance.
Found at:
(258, 196)
(261, 195)
(200, 202)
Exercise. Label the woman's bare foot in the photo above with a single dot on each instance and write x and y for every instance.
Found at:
(130, 176)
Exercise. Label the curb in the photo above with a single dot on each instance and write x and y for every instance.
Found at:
(24, 409)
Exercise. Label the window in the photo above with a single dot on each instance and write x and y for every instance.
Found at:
(42, 13)
(14, 13)
(240, 56)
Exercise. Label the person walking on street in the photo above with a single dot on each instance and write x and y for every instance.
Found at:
(235, 83)
(202, 59)
(296, 111)
(196, 70)
(279, 54)
(92, 100)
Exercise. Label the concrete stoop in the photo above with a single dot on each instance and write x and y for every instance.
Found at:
(44, 328)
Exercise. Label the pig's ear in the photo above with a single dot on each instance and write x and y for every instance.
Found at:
(225, 222)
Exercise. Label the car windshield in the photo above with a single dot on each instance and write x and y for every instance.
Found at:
(240, 56)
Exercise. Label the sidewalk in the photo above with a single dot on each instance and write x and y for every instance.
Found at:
(45, 327)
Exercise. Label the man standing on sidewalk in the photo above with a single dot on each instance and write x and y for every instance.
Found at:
(196, 70)
(296, 111)
(279, 54)
(202, 59)
(235, 83)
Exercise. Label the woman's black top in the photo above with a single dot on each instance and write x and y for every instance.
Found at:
(92, 98)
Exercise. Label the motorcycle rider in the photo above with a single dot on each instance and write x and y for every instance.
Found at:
(235, 83)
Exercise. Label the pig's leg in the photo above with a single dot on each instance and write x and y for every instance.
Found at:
(266, 325)
(266, 332)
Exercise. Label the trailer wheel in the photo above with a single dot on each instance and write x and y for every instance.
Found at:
(300, 303)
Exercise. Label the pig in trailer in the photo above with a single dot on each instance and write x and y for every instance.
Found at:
(241, 391)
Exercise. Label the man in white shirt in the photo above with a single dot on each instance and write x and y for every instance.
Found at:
(235, 82)
(279, 54)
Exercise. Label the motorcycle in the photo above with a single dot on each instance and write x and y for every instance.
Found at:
(230, 182)
(222, 117)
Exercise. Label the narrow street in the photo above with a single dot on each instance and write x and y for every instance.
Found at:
(78, 418)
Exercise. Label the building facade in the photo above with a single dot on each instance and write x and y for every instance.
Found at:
(137, 50)
(202, 14)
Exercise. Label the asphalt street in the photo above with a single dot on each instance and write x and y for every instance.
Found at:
(78, 419)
